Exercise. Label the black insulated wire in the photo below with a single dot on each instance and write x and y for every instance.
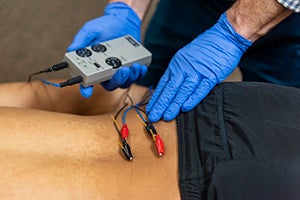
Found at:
(115, 118)
(150, 128)
(56, 67)
(125, 146)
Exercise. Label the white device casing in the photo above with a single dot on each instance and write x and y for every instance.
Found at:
(98, 63)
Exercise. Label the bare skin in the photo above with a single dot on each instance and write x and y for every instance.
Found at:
(62, 155)
(260, 19)
(56, 145)
(251, 23)
(139, 6)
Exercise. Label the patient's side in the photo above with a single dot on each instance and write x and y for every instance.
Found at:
(73, 153)
(37, 95)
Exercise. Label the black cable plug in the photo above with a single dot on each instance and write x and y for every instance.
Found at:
(71, 81)
(55, 67)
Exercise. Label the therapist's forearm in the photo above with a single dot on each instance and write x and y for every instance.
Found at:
(139, 6)
(253, 19)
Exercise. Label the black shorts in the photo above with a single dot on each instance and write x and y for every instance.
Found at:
(241, 142)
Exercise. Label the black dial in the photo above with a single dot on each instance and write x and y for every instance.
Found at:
(114, 62)
(84, 52)
(99, 48)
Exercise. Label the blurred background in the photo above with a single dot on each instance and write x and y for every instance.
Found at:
(35, 34)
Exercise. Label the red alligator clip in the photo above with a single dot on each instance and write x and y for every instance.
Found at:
(124, 131)
(160, 148)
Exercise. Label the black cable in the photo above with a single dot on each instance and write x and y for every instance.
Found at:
(56, 67)
(149, 126)
(140, 109)
(115, 118)
(125, 146)
(130, 99)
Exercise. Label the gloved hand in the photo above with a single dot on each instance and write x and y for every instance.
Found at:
(118, 20)
(122, 78)
(196, 69)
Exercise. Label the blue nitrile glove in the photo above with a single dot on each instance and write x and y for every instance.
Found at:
(123, 78)
(196, 69)
(118, 20)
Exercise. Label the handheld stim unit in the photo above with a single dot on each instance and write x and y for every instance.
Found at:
(99, 62)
